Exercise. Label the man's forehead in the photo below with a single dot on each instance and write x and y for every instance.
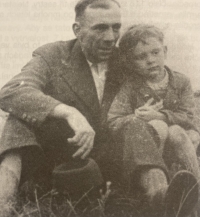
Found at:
(102, 15)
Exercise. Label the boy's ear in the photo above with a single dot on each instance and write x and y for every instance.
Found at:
(76, 29)
(165, 51)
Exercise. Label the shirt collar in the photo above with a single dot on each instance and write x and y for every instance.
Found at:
(102, 66)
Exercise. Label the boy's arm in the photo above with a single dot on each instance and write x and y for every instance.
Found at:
(184, 114)
(121, 111)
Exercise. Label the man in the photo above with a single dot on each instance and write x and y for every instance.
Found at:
(58, 103)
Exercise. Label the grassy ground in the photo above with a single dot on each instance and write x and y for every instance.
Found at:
(31, 203)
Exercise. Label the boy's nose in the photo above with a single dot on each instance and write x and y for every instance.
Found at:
(150, 58)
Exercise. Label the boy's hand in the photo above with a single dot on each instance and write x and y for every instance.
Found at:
(150, 112)
(157, 106)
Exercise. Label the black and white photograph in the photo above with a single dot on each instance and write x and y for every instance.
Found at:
(99, 108)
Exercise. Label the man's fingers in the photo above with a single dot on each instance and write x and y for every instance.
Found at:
(87, 146)
(86, 153)
(75, 139)
(82, 140)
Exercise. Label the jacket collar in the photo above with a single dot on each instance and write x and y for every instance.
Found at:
(147, 91)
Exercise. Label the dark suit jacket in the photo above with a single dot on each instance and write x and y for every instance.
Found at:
(58, 73)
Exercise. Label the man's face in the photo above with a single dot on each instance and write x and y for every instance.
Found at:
(148, 58)
(99, 31)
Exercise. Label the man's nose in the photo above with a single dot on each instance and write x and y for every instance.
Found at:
(110, 35)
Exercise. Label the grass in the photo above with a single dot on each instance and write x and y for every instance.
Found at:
(53, 204)
(31, 203)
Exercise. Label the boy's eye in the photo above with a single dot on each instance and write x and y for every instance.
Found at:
(140, 57)
(155, 52)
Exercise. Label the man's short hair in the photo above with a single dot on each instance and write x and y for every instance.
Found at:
(137, 33)
(83, 4)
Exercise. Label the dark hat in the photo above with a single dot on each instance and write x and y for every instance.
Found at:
(77, 176)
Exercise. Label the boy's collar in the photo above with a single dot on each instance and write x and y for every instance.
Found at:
(138, 81)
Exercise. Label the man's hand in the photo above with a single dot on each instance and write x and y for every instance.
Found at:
(84, 134)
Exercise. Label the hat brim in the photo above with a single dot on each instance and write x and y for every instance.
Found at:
(77, 176)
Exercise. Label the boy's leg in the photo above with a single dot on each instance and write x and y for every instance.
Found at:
(183, 149)
(162, 130)
(178, 198)
(145, 170)
(194, 137)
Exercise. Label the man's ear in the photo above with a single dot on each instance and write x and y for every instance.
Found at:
(76, 28)
(165, 51)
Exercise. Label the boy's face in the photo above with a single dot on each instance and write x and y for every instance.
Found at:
(148, 58)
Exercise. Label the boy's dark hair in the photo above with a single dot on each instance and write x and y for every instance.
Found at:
(83, 4)
(137, 33)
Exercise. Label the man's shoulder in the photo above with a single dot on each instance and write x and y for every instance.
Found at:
(55, 49)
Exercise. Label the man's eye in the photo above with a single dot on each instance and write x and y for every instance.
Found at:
(101, 28)
(116, 27)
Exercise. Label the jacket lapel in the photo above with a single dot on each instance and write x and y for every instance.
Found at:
(114, 80)
(78, 75)
(172, 93)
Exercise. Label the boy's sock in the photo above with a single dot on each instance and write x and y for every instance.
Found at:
(153, 181)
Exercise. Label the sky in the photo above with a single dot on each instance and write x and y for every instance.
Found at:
(27, 24)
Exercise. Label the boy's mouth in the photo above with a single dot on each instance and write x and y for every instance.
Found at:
(155, 68)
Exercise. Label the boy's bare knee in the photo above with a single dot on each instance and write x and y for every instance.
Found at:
(161, 128)
(159, 124)
(177, 135)
(194, 137)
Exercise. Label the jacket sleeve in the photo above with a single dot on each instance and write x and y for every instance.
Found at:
(24, 96)
(121, 111)
(183, 115)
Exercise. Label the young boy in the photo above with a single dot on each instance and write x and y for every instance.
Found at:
(157, 95)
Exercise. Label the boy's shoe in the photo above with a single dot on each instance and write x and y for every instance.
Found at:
(181, 195)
